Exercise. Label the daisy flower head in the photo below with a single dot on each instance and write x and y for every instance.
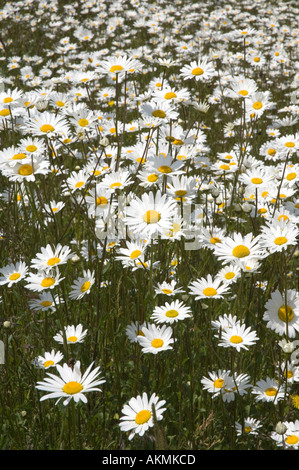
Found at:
(50, 257)
(72, 334)
(225, 322)
(168, 288)
(282, 313)
(46, 124)
(134, 330)
(238, 247)
(290, 438)
(151, 215)
(45, 302)
(216, 382)
(268, 390)
(82, 286)
(241, 87)
(229, 274)
(155, 339)
(238, 337)
(49, 359)
(71, 384)
(208, 288)
(171, 312)
(43, 280)
(13, 273)
(138, 414)
(250, 427)
(159, 109)
(277, 236)
(238, 386)
(202, 69)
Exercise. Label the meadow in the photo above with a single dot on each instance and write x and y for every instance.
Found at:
(149, 212)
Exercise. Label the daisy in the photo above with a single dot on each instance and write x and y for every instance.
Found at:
(241, 87)
(240, 384)
(54, 207)
(282, 314)
(155, 339)
(168, 288)
(73, 334)
(76, 180)
(160, 110)
(268, 390)
(229, 274)
(171, 312)
(200, 70)
(257, 104)
(119, 65)
(50, 257)
(149, 178)
(133, 251)
(164, 165)
(46, 124)
(45, 302)
(134, 330)
(150, 215)
(224, 323)
(21, 172)
(50, 359)
(138, 414)
(238, 337)
(207, 288)
(289, 371)
(43, 280)
(250, 426)
(13, 273)
(82, 285)
(238, 247)
(71, 384)
(217, 381)
(116, 180)
(277, 236)
(290, 438)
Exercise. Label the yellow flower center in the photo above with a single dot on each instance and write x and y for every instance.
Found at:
(157, 343)
(257, 105)
(48, 363)
(19, 156)
(280, 240)
(292, 439)
(85, 286)
(256, 180)
(46, 303)
(197, 71)
(72, 387)
(241, 251)
(218, 383)
(48, 282)
(283, 217)
(83, 122)
(14, 276)
(215, 240)
(25, 170)
(256, 59)
(288, 374)
(286, 314)
(209, 291)
(72, 339)
(271, 392)
(291, 176)
(116, 68)
(142, 417)
(243, 92)
(224, 167)
(180, 192)
(101, 201)
(60, 103)
(159, 113)
(289, 144)
(170, 95)
(171, 313)
(165, 169)
(166, 291)
(236, 339)
(152, 178)
(4, 112)
(271, 152)
(47, 128)
(117, 184)
(79, 184)
(247, 429)
(31, 148)
(151, 217)
(135, 254)
(229, 275)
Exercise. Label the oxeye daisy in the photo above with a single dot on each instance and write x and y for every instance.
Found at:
(208, 288)
(160, 110)
(50, 257)
(276, 236)
(46, 124)
(72, 334)
(229, 274)
(238, 247)
(155, 339)
(238, 337)
(225, 322)
(168, 288)
(82, 286)
(54, 207)
(268, 390)
(13, 273)
(250, 426)
(282, 313)
(202, 69)
(138, 414)
(217, 381)
(49, 359)
(71, 384)
(151, 215)
(134, 330)
(290, 438)
(171, 312)
(45, 302)
(43, 280)
(133, 251)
